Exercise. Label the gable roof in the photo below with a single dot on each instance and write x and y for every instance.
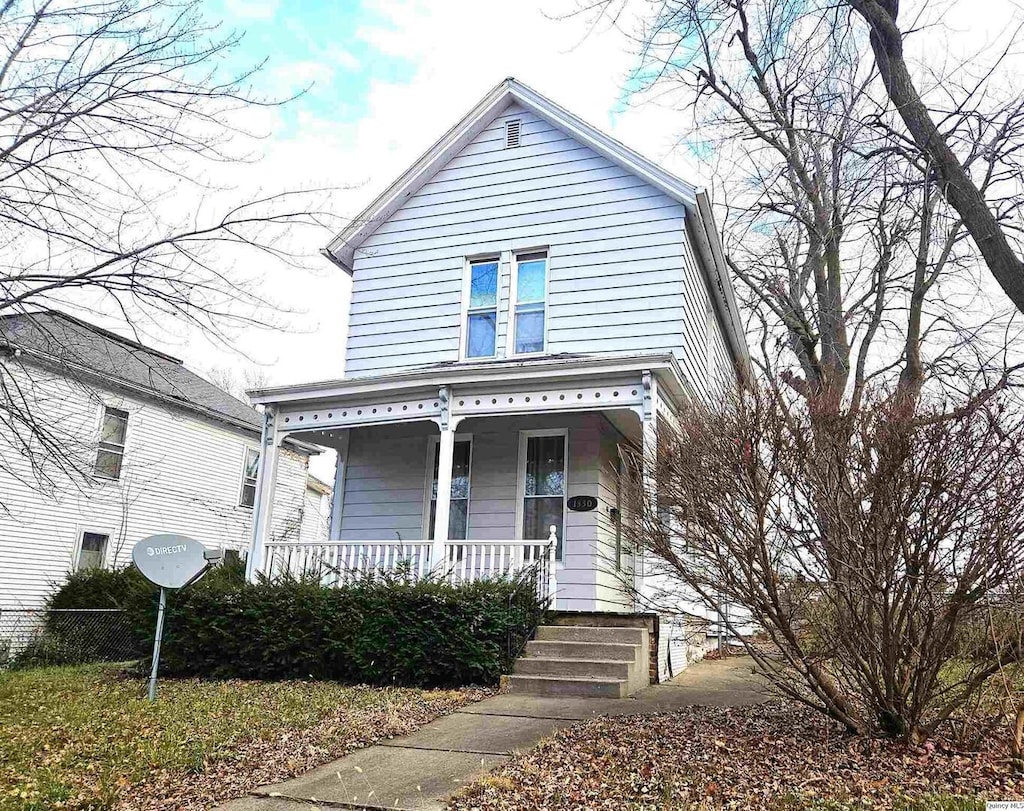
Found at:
(341, 250)
(80, 348)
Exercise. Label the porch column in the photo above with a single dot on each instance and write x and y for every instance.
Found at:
(263, 503)
(338, 491)
(649, 473)
(445, 456)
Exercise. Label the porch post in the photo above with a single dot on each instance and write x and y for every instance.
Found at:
(552, 563)
(338, 490)
(650, 485)
(445, 456)
(263, 503)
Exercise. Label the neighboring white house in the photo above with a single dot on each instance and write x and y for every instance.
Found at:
(527, 298)
(159, 448)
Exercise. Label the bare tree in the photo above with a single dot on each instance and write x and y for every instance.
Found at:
(228, 379)
(869, 549)
(853, 269)
(112, 115)
(995, 232)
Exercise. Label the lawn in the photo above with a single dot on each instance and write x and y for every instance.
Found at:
(775, 757)
(87, 738)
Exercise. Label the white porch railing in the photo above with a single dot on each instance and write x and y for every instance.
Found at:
(336, 563)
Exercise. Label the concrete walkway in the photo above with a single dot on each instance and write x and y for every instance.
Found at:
(420, 770)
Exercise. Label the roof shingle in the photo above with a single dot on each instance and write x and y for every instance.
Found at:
(72, 343)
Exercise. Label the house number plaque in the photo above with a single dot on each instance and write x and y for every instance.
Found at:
(582, 504)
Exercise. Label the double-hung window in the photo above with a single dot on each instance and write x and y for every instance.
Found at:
(250, 469)
(482, 314)
(110, 454)
(530, 296)
(458, 515)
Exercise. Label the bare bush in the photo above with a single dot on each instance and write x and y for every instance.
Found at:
(871, 546)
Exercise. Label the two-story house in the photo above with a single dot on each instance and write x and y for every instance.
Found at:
(529, 297)
(138, 444)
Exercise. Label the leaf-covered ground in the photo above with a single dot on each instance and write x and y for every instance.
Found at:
(86, 737)
(772, 756)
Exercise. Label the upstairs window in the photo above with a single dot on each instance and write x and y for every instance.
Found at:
(250, 469)
(482, 315)
(530, 302)
(110, 454)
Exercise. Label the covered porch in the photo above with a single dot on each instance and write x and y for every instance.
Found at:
(472, 471)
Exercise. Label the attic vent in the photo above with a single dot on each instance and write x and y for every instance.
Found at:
(512, 133)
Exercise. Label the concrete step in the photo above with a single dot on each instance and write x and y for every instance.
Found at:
(590, 633)
(563, 686)
(603, 619)
(581, 650)
(576, 668)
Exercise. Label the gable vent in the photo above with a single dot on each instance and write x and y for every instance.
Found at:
(512, 133)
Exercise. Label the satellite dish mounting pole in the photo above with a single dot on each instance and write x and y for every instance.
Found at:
(156, 643)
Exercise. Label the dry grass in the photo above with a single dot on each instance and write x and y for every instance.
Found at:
(86, 737)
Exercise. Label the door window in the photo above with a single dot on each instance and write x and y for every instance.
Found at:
(544, 488)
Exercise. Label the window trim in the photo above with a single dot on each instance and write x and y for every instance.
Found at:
(513, 302)
(466, 310)
(110, 446)
(524, 437)
(81, 533)
(243, 477)
(428, 485)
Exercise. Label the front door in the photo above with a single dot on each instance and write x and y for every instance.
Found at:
(543, 480)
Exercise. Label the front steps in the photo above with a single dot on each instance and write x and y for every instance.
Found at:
(583, 660)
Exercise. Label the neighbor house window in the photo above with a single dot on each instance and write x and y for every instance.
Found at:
(543, 481)
(482, 314)
(92, 553)
(531, 294)
(458, 515)
(110, 454)
(249, 471)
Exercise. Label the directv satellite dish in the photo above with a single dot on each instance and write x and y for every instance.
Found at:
(169, 561)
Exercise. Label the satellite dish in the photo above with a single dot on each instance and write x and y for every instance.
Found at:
(169, 561)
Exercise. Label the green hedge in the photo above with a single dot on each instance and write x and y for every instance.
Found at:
(378, 631)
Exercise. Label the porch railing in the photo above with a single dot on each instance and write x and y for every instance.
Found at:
(336, 563)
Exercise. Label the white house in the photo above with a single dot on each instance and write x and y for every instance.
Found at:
(527, 298)
(146, 446)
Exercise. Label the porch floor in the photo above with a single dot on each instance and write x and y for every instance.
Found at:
(418, 772)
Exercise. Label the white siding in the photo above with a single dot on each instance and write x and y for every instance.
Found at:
(622, 275)
(316, 516)
(385, 489)
(612, 580)
(181, 474)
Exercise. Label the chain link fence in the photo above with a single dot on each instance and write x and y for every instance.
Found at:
(39, 637)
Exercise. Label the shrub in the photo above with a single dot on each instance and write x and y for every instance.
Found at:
(100, 588)
(377, 631)
(880, 547)
(68, 637)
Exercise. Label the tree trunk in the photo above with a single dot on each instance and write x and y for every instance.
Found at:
(956, 185)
